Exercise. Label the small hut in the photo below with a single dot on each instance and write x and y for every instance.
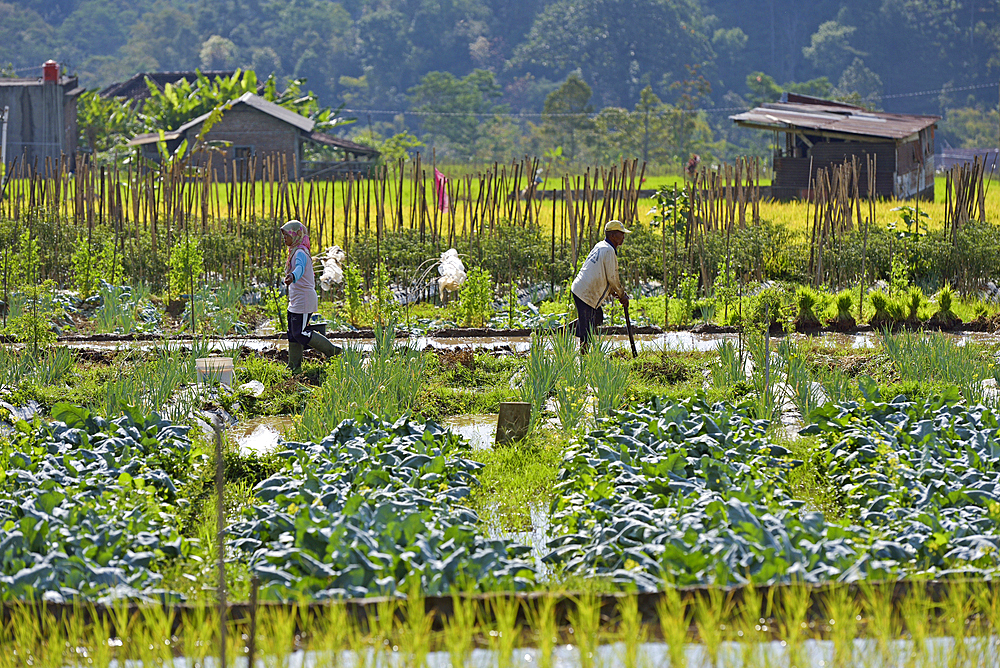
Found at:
(252, 129)
(820, 133)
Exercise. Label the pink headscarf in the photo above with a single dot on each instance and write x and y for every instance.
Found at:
(300, 239)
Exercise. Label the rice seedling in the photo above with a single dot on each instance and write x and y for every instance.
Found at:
(585, 620)
(632, 634)
(793, 620)
(842, 613)
(154, 630)
(988, 607)
(957, 610)
(200, 638)
(275, 635)
(944, 316)
(751, 625)
(914, 300)
(504, 631)
(845, 318)
(916, 609)
(712, 612)
(459, 629)
(808, 303)
(330, 633)
(363, 643)
(415, 635)
(99, 647)
(384, 631)
(541, 618)
(880, 621)
(881, 305)
(18, 636)
(675, 616)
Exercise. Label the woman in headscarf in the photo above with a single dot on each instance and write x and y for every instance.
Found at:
(302, 300)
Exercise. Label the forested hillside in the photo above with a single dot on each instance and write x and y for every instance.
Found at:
(400, 62)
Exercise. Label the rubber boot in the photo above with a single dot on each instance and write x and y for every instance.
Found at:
(295, 357)
(322, 344)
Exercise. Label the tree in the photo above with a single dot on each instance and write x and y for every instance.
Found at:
(646, 132)
(692, 91)
(453, 107)
(860, 85)
(566, 115)
(619, 45)
(218, 53)
(970, 127)
(830, 47)
(104, 124)
(25, 37)
(763, 88)
(179, 103)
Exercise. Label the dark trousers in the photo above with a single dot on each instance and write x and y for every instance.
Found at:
(297, 332)
(588, 319)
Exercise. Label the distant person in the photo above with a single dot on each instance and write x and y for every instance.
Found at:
(302, 299)
(597, 281)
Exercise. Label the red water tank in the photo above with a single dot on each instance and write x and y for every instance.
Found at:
(50, 72)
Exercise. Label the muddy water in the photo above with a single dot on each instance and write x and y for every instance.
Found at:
(262, 435)
(667, 341)
(479, 430)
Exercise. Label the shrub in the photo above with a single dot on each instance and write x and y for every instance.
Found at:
(475, 298)
(352, 292)
(186, 265)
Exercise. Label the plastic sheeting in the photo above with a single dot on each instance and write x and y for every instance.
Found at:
(452, 272)
(332, 261)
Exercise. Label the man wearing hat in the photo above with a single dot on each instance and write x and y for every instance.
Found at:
(597, 280)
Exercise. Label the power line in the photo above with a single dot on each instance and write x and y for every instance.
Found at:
(705, 110)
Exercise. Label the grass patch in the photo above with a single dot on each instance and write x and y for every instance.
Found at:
(809, 482)
(517, 477)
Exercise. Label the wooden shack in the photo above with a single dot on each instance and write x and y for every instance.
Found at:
(41, 118)
(812, 134)
(252, 129)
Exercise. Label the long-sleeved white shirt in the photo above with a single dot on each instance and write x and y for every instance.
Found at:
(598, 277)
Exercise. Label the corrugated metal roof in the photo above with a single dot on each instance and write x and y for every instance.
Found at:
(279, 112)
(340, 142)
(136, 88)
(249, 99)
(836, 118)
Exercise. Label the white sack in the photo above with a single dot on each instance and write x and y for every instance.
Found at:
(452, 272)
(333, 272)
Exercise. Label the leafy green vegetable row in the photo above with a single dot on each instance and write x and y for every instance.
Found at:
(372, 506)
(89, 506)
(696, 493)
